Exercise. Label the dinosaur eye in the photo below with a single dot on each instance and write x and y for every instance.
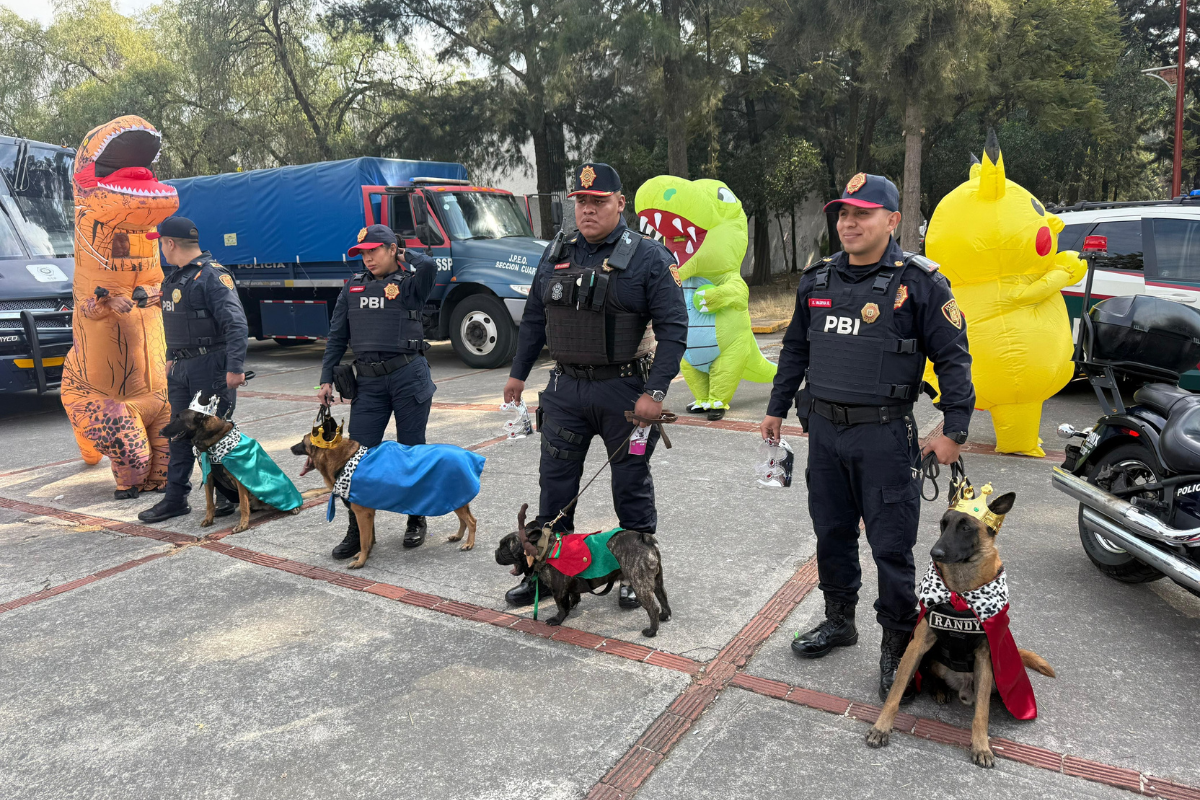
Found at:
(726, 196)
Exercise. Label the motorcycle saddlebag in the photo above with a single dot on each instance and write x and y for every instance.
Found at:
(1144, 329)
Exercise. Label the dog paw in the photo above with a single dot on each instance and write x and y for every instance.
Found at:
(467, 546)
(877, 738)
(295, 510)
(456, 537)
(983, 758)
(356, 565)
(664, 616)
(240, 527)
(941, 697)
(649, 633)
(206, 523)
(554, 623)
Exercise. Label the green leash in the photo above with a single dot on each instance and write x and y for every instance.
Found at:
(537, 587)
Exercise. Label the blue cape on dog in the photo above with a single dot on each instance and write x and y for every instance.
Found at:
(421, 480)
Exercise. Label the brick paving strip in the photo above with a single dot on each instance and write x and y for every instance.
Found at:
(710, 679)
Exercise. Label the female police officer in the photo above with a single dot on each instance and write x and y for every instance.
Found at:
(865, 321)
(378, 314)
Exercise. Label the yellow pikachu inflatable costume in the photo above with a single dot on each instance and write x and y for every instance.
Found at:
(998, 246)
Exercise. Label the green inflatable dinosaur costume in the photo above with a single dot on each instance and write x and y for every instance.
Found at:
(703, 225)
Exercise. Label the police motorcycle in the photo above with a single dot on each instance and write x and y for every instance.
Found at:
(1136, 472)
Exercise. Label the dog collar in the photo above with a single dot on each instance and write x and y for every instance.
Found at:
(341, 487)
(223, 446)
(985, 602)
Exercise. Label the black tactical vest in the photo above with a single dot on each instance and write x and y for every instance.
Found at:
(856, 356)
(959, 634)
(186, 326)
(378, 320)
(584, 326)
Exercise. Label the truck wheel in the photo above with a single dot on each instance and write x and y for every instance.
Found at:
(482, 332)
(1108, 556)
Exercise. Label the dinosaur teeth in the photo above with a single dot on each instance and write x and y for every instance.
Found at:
(690, 249)
(692, 232)
(657, 220)
(678, 225)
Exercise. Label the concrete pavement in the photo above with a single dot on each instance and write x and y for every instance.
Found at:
(155, 661)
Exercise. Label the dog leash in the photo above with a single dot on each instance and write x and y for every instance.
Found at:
(930, 470)
(665, 418)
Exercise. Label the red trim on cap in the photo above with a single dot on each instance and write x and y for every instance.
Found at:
(851, 201)
(358, 248)
(152, 235)
(593, 194)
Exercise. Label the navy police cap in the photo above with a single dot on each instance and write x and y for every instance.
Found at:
(868, 191)
(176, 228)
(371, 237)
(596, 179)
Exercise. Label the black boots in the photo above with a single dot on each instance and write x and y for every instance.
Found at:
(222, 507)
(349, 545)
(891, 650)
(521, 594)
(837, 630)
(165, 509)
(626, 598)
(414, 534)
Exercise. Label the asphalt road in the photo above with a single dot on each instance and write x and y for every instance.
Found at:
(152, 661)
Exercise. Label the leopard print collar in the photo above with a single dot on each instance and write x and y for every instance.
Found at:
(341, 487)
(223, 447)
(986, 602)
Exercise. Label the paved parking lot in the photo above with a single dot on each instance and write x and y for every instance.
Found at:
(155, 661)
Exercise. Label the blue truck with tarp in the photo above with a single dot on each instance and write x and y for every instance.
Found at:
(284, 233)
(37, 263)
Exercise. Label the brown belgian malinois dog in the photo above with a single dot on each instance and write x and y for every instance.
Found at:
(969, 565)
(329, 460)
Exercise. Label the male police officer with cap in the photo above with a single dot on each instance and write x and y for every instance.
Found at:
(378, 314)
(866, 319)
(206, 331)
(592, 299)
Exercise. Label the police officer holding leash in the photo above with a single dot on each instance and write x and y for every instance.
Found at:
(378, 314)
(866, 319)
(206, 331)
(592, 299)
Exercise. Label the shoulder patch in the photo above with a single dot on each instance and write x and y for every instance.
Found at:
(818, 263)
(952, 314)
(926, 264)
(227, 279)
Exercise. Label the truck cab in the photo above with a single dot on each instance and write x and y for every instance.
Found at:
(486, 253)
(37, 248)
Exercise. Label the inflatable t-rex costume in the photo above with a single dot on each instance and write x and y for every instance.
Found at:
(999, 247)
(114, 385)
(703, 225)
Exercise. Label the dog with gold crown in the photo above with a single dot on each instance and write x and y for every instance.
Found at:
(232, 463)
(425, 479)
(962, 642)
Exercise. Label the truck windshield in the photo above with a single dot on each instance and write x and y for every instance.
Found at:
(36, 193)
(480, 215)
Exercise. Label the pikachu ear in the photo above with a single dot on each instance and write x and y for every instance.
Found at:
(992, 184)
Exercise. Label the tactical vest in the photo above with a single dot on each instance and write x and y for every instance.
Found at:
(379, 322)
(959, 634)
(584, 326)
(856, 355)
(185, 325)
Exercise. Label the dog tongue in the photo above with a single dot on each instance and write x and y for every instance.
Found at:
(308, 465)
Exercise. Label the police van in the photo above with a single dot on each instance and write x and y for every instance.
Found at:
(1153, 248)
(37, 264)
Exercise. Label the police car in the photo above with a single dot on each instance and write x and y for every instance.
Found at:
(1153, 248)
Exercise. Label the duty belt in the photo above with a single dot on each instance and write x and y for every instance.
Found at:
(639, 366)
(859, 415)
(191, 352)
(375, 369)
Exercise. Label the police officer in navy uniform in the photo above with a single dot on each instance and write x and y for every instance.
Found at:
(595, 299)
(378, 315)
(206, 332)
(866, 320)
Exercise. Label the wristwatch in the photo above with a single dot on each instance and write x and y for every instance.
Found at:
(958, 437)
(657, 395)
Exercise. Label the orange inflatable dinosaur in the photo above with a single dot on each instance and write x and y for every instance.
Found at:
(114, 385)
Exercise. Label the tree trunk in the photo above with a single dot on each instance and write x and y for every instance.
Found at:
(761, 275)
(783, 244)
(541, 165)
(910, 201)
(868, 134)
(795, 263)
(675, 89)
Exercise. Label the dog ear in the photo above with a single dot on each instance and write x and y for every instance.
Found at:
(1003, 504)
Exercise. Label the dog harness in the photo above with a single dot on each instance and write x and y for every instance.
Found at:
(421, 480)
(246, 460)
(959, 621)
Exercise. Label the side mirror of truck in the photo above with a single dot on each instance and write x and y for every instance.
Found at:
(420, 212)
(556, 212)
